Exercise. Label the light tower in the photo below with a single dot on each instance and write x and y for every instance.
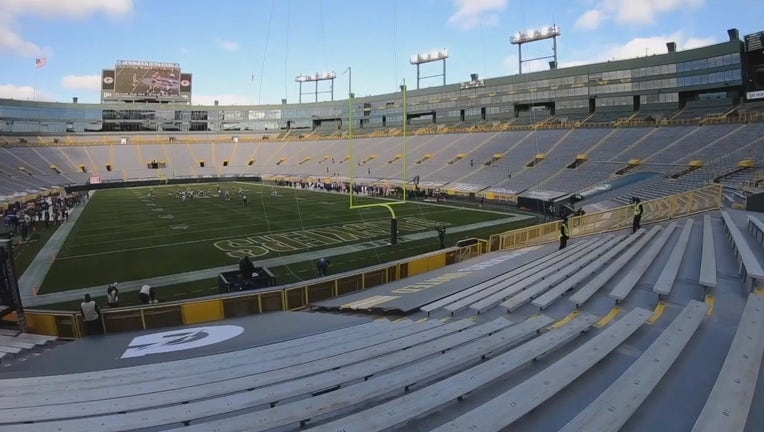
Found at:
(432, 56)
(326, 76)
(550, 32)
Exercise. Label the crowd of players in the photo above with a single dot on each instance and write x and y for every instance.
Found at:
(189, 194)
(22, 219)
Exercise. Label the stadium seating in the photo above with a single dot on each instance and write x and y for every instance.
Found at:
(457, 373)
(664, 150)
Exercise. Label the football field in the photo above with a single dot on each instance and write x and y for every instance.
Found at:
(126, 234)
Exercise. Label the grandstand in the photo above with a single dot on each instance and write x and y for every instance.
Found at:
(659, 329)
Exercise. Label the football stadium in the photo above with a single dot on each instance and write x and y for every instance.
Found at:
(576, 249)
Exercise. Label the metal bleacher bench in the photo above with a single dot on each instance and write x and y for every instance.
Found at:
(508, 407)
(613, 408)
(192, 372)
(707, 277)
(730, 400)
(547, 298)
(9, 341)
(301, 411)
(222, 397)
(625, 285)
(580, 261)
(665, 281)
(756, 226)
(521, 281)
(591, 287)
(749, 266)
(427, 399)
(467, 296)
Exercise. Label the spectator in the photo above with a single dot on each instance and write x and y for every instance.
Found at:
(639, 210)
(112, 295)
(91, 314)
(564, 233)
(322, 265)
(146, 295)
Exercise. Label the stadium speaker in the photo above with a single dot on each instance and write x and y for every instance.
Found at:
(473, 77)
(733, 34)
(225, 163)
(201, 164)
(671, 46)
(108, 167)
(75, 99)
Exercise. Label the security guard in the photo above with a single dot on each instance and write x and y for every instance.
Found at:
(564, 233)
(639, 210)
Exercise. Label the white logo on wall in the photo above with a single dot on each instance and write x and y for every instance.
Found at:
(108, 80)
(185, 83)
(180, 340)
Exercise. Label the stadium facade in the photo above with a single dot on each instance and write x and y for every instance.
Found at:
(654, 85)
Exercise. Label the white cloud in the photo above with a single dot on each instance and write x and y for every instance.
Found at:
(632, 12)
(470, 13)
(223, 99)
(11, 40)
(10, 91)
(59, 8)
(590, 20)
(81, 82)
(638, 47)
(228, 45)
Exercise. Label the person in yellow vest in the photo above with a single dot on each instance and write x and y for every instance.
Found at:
(564, 232)
(91, 315)
(639, 210)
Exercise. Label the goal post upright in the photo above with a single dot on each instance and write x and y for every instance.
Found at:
(351, 160)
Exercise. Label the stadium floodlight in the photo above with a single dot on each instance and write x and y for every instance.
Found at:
(318, 76)
(535, 35)
(429, 57)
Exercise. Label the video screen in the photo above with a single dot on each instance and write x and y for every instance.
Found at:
(145, 81)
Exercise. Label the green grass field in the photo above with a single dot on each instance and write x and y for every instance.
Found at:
(123, 235)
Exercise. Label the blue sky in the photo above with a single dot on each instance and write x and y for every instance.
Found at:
(225, 42)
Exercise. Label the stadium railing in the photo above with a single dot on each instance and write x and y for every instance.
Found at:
(69, 325)
(657, 210)
(300, 295)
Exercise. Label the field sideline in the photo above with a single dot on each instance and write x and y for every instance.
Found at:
(124, 235)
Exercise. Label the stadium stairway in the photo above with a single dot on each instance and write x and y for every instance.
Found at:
(17, 347)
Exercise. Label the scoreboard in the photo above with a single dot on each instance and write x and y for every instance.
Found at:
(145, 81)
(753, 61)
(753, 42)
